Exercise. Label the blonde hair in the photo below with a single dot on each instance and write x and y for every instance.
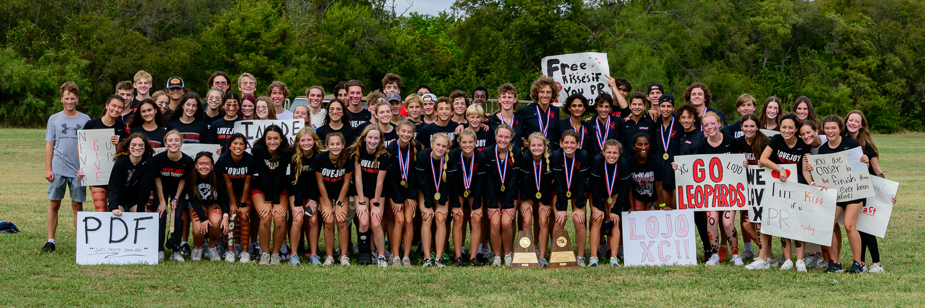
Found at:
(298, 153)
(414, 98)
(539, 135)
(407, 122)
(173, 132)
(466, 132)
(446, 156)
(246, 75)
(510, 129)
(475, 109)
(711, 114)
(142, 75)
(157, 94)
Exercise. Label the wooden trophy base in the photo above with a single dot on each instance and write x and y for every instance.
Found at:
(562, 255)
(524, 251)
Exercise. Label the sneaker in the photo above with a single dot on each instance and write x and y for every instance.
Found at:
(496, 261)
(787, 265)
(160, 256)
(441, 263)
(428, 262)
(344, 260)
(475, 262)
(315, 260)
(823, 265)
(876, 268)
(294, 260)
(834, 268)
(773, 262)
(245, 257)
(801, 266)
(737, 260)
(748, 254)
(713, 261)
(508, 259)
(864, 268)
(758, 264)
(254, 249)
(264, 259)
(237, 249)
(614, 262)
(388, 256)
(177, 256)
(214, 256)
(593, 262)
(406, 262)
(49, 247)
(383, 262)
(812, 260)
(284, 252)
(581, 261)
(229, 256)
(196, 254)
(328, 260)
(543, 262)
(855, 268)
(396, 262)
(461, 261)
(185, 249)
(446, 257)
(274, 259)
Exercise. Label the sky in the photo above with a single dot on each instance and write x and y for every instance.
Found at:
(432, 7)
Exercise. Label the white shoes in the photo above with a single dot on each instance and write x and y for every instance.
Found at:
(876, 268)
(196, 254)
(213, 255)
(344, 260)
(177, 256)
(328, 260)
(229, 256)
(713, 261)
(801, 266)
(737, 260)
(274, 259)
(788, 265)
(245, 257)
(758, 264)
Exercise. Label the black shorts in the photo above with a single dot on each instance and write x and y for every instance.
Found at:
(846, 203)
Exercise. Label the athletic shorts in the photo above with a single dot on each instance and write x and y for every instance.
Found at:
(255, 191)
(60, 183)
(846, 203)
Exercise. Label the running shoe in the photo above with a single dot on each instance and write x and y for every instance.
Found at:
(822, 264)
(593, 262)
(508, 259)
(315, 260)
(581, 261)
(801, 266)
(713, 261)
(177, 256)
(245, 257)
(214, 256)
(615, 262)
(396, 262)
(461, 261)
(758, 264)
(185, 250)
(160, 256)
(834, 268)
(773, 262)
(264, 259)
(196, 254)
(446, 257)
(855, 268)
(388, 256)
(344, 260)
(383, 262)
(543, 262)
(406, 262)
(747, 254)
(229, 256)
(328, 260)
(812, 260)
(274, 259)
(294, 260)
(475, 262)
(496, 261)
(284, 252)
(428, 262)
(737, 260)
(237, 249)
(787, 265)
(440, 263)
(49, 247)
(876, 268)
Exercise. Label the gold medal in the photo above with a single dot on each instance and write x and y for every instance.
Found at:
(404, 183)
(609, 200)
(437, 196)
(502, 188)
(466, 194)
(568, 193)
(665, 156)
(539, 195)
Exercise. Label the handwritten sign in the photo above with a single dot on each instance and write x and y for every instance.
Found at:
(104, 238)
(799, 212)
(711, 182)
(834, 171)
(191, 149)
(95, 149)
(253, 129)
(578, 73)
(759, 183)
(770, 132)
(875, 215)
(659, 238)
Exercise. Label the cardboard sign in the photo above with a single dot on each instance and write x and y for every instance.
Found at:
(835, 172)
(659, 238)
(578, 73)
(253, 129)
(875, 215)
(759, 183)
(799, 212)
(96, 151)
(191, 149)
(524, 251)
(104, 238)
(711, 182)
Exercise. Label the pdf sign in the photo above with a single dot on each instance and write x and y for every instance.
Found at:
(104, 238)
(711, 182)
(834, 171)
(253, 129)
(799, 212)
(659, 238)
(875, 215)
(578, 73)
(96, 151)
(759, 183)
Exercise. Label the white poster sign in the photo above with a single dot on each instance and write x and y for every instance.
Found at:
(104, 238)
(191, 149)
(96, 151)
(835, 171)
(759, 183)
(875, 215)
(799, 212)
(659, 238)
(253, 129)
(770, 132)
(711, 182)
(578, 73)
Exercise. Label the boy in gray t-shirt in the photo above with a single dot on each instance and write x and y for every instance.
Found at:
(61, 162)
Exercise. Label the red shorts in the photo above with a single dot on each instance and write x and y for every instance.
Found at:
(257, 191)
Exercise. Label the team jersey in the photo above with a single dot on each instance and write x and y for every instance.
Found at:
(118, 127)
(690, 141)
(201, 194)
(429, 130)
(237, 171)
(531, 172)
(344, 130)
(584, 138)
(671, 136)
(783, 154)
(332, 175)
(727, 146)
(171, 172)
(359, 118)
(475, 169)
(535, 119)
(609, 181)
(631, 128)
(155, 137)
(644, 176)
(193, 132)
(270, 174)
(747, 149)
(601, 131)
(408, 154)
(130, 184)
(734, 129)
(303, 183)
(220, 132)
(370, 167)
(498, 164)
(429, 175)
(579, 165)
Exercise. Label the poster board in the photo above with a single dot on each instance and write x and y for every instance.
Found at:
(253, 129)
(835, 172)
(582, 73)
(104, 238)
(715, 182)
(799, 212)
(875, 215)
(96, 152)
(759, 183)
(658, 238)
(191, 149)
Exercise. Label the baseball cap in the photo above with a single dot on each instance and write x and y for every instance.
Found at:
(393, 97)
(666, 98)
(175, 82)
(655, 86)
(429, 97)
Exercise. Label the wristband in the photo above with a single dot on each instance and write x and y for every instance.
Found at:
(375, 203)
(338, 203)
(661, 205)
(780, 168)
(813, 183)
(174, 200)
(225, 215)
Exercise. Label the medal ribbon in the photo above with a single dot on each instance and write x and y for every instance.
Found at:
(602, 139)
(467, 178)
(501, 116)
(501, 172)
(404, 163)
(568, 171)
(666, 142)
(611, 180)
(580, 132)
(537, 174)
(539, 117)
(433, 171)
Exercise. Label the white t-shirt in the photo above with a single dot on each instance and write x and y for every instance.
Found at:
(317, 118)
(285, 115)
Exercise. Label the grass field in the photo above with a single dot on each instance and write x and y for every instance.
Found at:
(32, 279)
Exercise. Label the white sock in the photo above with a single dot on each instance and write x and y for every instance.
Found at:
(184, 243)
(51, 240)
(748, 246)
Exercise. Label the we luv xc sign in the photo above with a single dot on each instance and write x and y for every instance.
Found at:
(659, 238)
(711, 182)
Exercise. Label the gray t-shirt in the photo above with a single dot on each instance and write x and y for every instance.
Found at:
(62, 130)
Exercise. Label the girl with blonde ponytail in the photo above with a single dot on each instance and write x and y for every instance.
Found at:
(536, 189)
(432, 169)
(404, 190)
(502, 193)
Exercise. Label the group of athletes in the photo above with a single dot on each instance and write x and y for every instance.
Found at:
(420, 168)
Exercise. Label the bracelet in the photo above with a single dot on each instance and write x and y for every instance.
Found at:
(813, 183)
(225, 215)
(780, 168)
(174, 200)
(338, 203)
(375, 203)
(661, 205)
